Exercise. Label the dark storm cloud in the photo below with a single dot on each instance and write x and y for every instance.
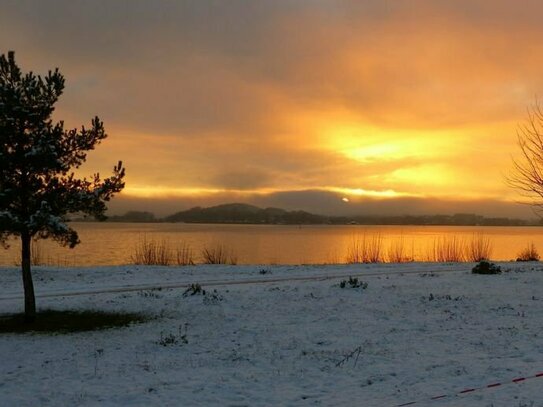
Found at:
(192, 66)
(157, 66)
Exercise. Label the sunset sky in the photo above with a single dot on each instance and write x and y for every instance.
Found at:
(397, 106)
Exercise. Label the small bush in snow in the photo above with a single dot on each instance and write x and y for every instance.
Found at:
(485, 267)
(353, 282)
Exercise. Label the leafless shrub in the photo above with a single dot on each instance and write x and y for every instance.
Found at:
(365, 249)
(447, 249)
(219, 254)
(152, 253)
(529, 253)
(479, 248)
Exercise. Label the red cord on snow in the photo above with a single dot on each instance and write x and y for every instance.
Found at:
(473, 389)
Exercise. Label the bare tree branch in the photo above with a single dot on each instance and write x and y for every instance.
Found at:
(527, 175)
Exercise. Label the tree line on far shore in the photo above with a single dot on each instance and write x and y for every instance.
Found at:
(248, 214)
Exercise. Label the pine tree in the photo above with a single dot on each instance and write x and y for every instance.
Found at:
(38, 188)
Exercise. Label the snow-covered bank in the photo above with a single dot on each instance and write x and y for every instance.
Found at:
(417, 331)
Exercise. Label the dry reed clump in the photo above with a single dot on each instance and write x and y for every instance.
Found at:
(397, 252)
(184, 255)
(37, 257)
(446, 250)
(219, 254)
(152, 253)
(36, 254)
(529, 253)
(479, 248)
(365, 250)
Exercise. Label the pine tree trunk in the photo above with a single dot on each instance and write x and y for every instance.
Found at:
(30, 300)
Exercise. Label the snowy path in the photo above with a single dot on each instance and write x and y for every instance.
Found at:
(240, 281)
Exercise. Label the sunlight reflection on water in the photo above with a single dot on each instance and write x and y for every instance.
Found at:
(114, 243)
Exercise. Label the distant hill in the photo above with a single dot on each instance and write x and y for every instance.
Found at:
(133, 216)
(250, 214)
(243, 213)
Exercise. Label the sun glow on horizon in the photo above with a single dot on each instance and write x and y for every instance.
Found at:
(346, 194)
(359, 192)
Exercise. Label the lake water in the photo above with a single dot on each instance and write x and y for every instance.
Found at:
(115, 243)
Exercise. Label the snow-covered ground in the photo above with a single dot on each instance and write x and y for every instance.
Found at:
(417, 331)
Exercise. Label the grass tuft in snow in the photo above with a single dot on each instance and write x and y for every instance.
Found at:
(58, 322)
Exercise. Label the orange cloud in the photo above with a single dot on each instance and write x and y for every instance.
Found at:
(390, 99)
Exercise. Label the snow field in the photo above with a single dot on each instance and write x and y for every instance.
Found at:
(407, 337)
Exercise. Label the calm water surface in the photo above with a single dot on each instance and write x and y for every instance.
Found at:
(114, 243)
